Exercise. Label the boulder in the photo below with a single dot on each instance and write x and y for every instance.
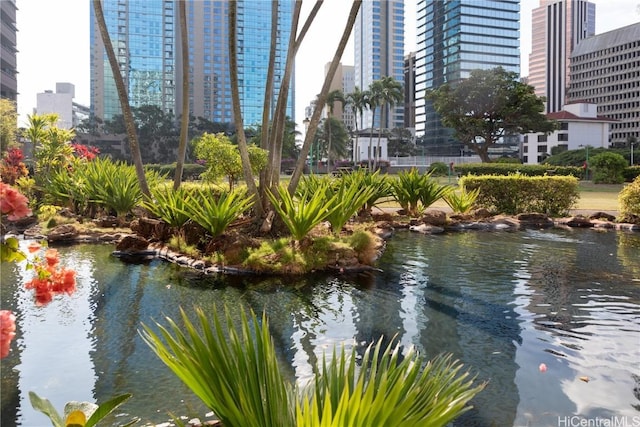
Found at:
(603, 216)
(130, 244)
(435, 217)
(107, 222)
(535, 220)
(63, 233)
(579, 221)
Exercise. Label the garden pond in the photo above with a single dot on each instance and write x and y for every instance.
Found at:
(501, 302)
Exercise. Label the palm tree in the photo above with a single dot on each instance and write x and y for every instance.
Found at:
(132, 136)
(332, 97)
(390, 93)
(375, 100)
(358, 100)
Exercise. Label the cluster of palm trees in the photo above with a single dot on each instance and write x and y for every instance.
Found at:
(382, 95)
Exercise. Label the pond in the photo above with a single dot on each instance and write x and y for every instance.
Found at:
(502, 303)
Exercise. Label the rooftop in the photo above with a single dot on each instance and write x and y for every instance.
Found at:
(609, 39)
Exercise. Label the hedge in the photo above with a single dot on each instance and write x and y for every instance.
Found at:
(190, 171)
(515, 194)
(629, 173)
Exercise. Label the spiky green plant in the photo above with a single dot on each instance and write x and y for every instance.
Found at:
(170, 205)
(216, 213)
(462, 201)
(432, 191)
(235, 371)
(379, 184)
(311, 184)
(407, 189)
(303, 213)
(349, 197)
(387, 390)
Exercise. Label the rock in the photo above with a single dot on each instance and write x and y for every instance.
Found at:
(107, 222)
(426, 229)
(603, 216)
(435, 217)
(535, 220)
(131, 244)
(579, 221)
(62, 233)
(481, 213)
(150, 228)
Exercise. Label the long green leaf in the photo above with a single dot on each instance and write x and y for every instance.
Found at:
(45, 406)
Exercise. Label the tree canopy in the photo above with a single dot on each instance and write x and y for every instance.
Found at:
(487, 106)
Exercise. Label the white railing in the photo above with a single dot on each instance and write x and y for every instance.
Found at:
(428, 160)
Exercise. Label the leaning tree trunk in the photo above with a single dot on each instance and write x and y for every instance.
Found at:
(184, 120)
(237, 112)
(322, 99)
(132, 136)
(373, 114)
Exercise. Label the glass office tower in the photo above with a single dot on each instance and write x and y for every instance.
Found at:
(210, 85)
(146, 37)
(143, 37)
(455, 37)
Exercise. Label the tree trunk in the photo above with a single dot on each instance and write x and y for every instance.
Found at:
(322, 99)
(123, 97)
(375, 157)
(373, 114)
(237, 111)
(184, 120)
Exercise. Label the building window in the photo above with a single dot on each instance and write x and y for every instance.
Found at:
(542, 148)
(563, 137)
(542, 138)
(564, 126)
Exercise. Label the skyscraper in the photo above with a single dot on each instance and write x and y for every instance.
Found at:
(379, 52)
(558, 27)
(143, 37)
(454, 38)
(8, 81)
(146, 37)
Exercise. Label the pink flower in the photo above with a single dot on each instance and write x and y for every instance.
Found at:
(7, 331)
(13, 203)
(542, 367)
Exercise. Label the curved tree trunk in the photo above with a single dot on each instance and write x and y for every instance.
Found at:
(132, 136)
(322, 99)
(373, 114)
(184, 120)
(237, 110)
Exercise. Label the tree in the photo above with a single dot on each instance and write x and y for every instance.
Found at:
(357, 100)
(289, 148)
(122, 96)
(184, 120)
(375, 90)
(487, 106)
(332, 97)
(400, 143)
(92, 125)
(332, 139)
(388, 93)
(8, 124)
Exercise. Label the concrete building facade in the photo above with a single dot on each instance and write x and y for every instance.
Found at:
(8, 62)
(379, 52)
(605, 70)
(559, 25)
(410, 90)
(344, 81)
(579, 126)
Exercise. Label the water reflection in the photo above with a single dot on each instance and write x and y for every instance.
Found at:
(502, 303)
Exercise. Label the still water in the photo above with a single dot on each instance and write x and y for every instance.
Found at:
(502, 303)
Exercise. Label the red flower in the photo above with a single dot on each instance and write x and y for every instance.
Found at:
(7, 331)
(13, 203)
(52, 257)
(34, 247)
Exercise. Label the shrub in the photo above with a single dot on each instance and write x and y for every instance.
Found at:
(608, 168)
(438, 169)
(629, 198)
(170, 205)
(516, 194)
(216, 214)
(462, 201)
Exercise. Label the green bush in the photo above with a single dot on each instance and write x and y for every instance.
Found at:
(629, 198)
(215, 214)
(512, 168)
(438, 169)
(515, 194)
(630, 173)
(190, 171)
(608, 168)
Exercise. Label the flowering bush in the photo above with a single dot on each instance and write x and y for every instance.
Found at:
(85, 152)
(7, 331)
(13, 203)
(12, 167)
(49, 279)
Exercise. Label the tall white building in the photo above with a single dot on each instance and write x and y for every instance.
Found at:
(344, 81)
(379, 52)
(59, 102)
(558, 27)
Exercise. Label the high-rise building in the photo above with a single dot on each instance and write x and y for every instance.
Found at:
(410, 90)
(379, 52)
(559, 25)
(146, 37)
(344, 81)
(143, 38)
(8, 81)
(209, 80)
(454, 38)
(605, 70)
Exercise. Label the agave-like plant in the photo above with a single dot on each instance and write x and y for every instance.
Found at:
(78, 414)
(407, 189)
(170, 205)
(349, 197)
(303, 213)
(235, 371)
(216, 213)
(432, 191)
(379, 184)
(462, 201)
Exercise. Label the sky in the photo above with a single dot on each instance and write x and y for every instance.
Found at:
(53, 44)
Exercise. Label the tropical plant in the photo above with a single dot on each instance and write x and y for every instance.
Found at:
(349, 197)
(12, 167)
(379, 184)
(78, 414)
(235, 371)
(407, 188)
(301, 215)
(169, 204)
(386, 95)
(332, 97)
(461, 201)
(432, 191)
(215, 214)
(357, 100)
(8, 124)
(629, 198)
